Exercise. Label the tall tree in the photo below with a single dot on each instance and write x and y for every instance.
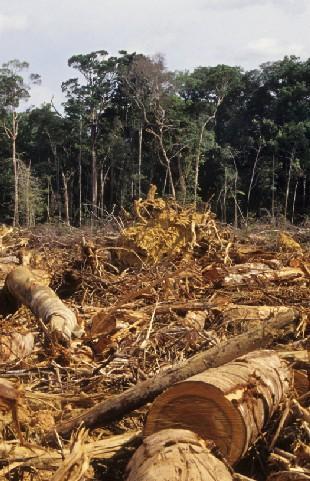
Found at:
(14, 90)
(93, 94)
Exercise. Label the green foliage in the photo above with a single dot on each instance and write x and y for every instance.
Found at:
(241, 139)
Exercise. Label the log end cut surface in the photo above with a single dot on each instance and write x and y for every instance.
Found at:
(201, 408)
(228, 405)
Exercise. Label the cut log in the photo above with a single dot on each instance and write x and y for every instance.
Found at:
(233, 312)
(176, 455)
(146, 391)
(228, 405)
(44, 303)
(251, 274)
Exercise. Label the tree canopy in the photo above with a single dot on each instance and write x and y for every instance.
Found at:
(237, 139)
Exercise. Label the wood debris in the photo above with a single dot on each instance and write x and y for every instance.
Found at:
(173, 296)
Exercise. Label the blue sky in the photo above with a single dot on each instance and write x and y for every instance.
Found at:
(188, 33)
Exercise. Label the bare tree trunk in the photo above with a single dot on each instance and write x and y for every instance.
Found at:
(66, 198)
(235, 196)
(273, 192)
(165, 183)
(167, 163)
(27, 196)
(48, 198)
(197, 160)
(182, 180)
(101, 196)
(304, 190)
(80, 175)
(287, 193)
(294, 200)
(140, 159)
(94, 173)
(225, 196)
(15, 168)
(57, 167)
(252, 179)
(94, 184)
(171, 181)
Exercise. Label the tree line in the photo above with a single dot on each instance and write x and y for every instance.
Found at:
(234, 138)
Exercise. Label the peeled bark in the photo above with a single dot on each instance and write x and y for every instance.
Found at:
(44, 303)
(176, 455)
(228, 405)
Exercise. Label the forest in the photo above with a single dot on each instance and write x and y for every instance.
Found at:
(236, 139)
(155, 273)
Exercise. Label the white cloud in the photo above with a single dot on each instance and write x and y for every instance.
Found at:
(12, 22)
(295, 6)
(271, 48)
(188, 33)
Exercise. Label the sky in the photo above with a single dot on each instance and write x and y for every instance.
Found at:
(189, 33)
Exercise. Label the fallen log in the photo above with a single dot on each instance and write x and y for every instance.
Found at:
(176, 455)
(251, 274)
(26, 288)
(228, 405)
(146, 391)
(234, 312)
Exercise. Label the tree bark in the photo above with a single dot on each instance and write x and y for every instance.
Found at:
(273, 191)
(252, 178)
(80, 174)
(44, 303)
(287, 193)
(94, 173)
(144, 392)
(197, 159)
(294, 201)
(232, 403)
(182, 180)
(176, 455)
(66, 198)
(140, 160)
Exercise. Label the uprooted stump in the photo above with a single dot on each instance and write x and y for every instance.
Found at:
(228, 405)
(164, 229)
(44, 303)
(176, 455)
